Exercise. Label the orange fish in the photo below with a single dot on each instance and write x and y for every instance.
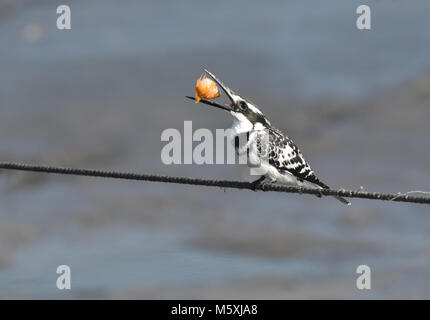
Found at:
(206, 88)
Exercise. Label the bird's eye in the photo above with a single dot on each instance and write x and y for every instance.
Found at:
(243, 105)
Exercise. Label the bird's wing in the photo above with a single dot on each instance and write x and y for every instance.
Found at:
(286, 156)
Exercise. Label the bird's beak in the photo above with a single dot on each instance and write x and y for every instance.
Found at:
(211, 103)
(230, 94)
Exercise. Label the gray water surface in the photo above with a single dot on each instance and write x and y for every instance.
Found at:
(99, 96)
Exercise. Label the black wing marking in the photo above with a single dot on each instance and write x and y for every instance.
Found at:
(283, 154)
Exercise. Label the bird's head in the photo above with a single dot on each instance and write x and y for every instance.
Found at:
(241, 109)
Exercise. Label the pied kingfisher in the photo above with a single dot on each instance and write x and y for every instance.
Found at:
(286, 163)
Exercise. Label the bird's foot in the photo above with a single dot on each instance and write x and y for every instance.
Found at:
(266, 184)
(257, 183)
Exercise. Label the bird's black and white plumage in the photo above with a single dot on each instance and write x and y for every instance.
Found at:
(265, 146)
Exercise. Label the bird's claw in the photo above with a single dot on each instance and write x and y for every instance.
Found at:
(261, 184)
(266, 184)
(257, 183)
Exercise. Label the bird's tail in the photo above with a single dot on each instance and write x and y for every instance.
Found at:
(324, 186)
(344, 201)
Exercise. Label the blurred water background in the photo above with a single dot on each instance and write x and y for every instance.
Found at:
(99, 96)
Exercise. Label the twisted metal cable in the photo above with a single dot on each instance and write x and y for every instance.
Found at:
(212, 183)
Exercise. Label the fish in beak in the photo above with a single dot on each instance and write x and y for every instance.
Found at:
(230, 94)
